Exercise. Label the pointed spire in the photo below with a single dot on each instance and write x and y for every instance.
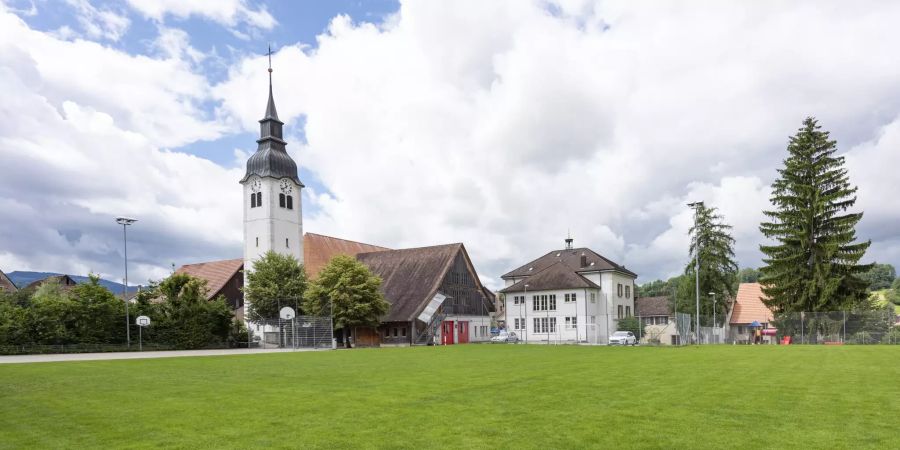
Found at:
(569, 240)
(270, 107)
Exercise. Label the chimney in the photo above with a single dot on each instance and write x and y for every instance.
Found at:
(584, 262)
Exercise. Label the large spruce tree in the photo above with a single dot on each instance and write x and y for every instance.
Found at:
(814, 264)
(711, 238)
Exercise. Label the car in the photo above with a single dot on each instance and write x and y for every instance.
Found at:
(622, 338)
(505, 337)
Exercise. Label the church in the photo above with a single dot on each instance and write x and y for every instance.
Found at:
(435, 294)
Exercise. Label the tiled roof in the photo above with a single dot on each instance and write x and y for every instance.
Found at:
(6, 284)
(748, 305)
(410, 277)
(555, 276)
(571, 258)
(216, 273)
(652, 306)
(319, 249)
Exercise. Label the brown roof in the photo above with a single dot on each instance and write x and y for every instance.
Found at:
(748, 305)
(652, 306)
(319, 249)
(555, 276)
(65, 281)
(571, 258)
(6, 284)
(216, 273)
(410, 277)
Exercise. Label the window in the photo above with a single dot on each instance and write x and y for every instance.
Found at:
(620, 311)
(552, 324)
(290, 202)
(395, 332)
(403, 331)
(571, 297)
(253, 200)
(545, 324)
(592, 320)
(537, 325)
(519, 323)
(571, 322)
(552, 302)
(619, 290)
(518, 300)
(627, 311)
(593, 297)
(259, 199)
(543, 302)
(675, 340)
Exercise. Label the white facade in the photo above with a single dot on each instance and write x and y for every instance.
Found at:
(269, 225)
(594, 311)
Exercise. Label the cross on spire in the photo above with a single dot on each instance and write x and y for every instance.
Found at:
(270, 107)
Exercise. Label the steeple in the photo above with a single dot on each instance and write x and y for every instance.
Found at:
(271, 158)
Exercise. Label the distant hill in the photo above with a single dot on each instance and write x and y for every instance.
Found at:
(22, 279)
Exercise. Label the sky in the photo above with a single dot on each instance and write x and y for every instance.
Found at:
(504, 125)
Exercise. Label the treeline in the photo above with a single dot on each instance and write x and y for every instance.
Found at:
(91, 316)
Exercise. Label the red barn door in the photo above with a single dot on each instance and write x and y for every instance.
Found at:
(463, 332)
(447, 329)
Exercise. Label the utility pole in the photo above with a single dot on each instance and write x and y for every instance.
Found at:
(696, 206)
(125, 222)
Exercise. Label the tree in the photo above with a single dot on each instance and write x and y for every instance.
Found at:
(631, 324)
(99, 315)
(185, 319)
(748, 275)
(276, 281)
(880, 276)
(711, 238)
(813, 266)
(352, 290)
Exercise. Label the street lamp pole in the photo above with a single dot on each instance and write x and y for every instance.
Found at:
(696, 206)
(125, 222)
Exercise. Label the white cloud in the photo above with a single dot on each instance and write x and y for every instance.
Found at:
(99, 23)
(505, 127)
(226, 12)
(501, 125)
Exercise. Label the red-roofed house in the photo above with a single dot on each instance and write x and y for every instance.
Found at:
(225, 278)
(746, 309)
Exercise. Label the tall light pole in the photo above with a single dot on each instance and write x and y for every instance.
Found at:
(125, 222)
(696, 206)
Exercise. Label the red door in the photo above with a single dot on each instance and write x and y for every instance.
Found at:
(463, 332)
(447, 329)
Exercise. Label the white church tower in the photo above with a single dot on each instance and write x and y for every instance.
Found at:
(273, 217)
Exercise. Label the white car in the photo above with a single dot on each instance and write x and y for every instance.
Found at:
(505, 337)
(622, 338)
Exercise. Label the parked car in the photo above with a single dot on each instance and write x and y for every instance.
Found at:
(622, 338)
(505, 337)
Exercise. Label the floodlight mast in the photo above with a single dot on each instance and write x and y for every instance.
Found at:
(125, 222)
(696, 206)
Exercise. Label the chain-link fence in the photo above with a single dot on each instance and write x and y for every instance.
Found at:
(836, 327)
(299, 332)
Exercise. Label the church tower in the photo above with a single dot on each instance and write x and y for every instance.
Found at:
(273, 217)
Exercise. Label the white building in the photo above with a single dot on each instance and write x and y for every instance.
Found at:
(273, 218)
(568, 295)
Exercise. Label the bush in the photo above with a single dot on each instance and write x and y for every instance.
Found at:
(631, 324)
(238, 336)
(862, 337)
(892, 337)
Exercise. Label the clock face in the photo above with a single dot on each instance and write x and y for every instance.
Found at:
(255, 186)
(286, 187)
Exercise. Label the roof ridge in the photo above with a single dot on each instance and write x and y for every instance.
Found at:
(347, 240)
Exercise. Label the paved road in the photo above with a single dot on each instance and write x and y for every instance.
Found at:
(135, 355)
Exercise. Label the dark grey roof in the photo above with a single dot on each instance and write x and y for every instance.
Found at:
(271, 158)
(557, 275)
(410, 277)
(571, 258)
(652, 306)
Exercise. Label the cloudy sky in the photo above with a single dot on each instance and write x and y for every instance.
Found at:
(499, 124)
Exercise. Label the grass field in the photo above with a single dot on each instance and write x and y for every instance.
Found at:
(475, 396)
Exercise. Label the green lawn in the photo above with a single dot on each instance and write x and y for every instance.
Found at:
(476, 396)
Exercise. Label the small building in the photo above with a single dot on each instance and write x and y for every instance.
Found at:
(65, 282)
(746, 310)
(6, 284)
(572, 294)
(657, 319)
(225, 278)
